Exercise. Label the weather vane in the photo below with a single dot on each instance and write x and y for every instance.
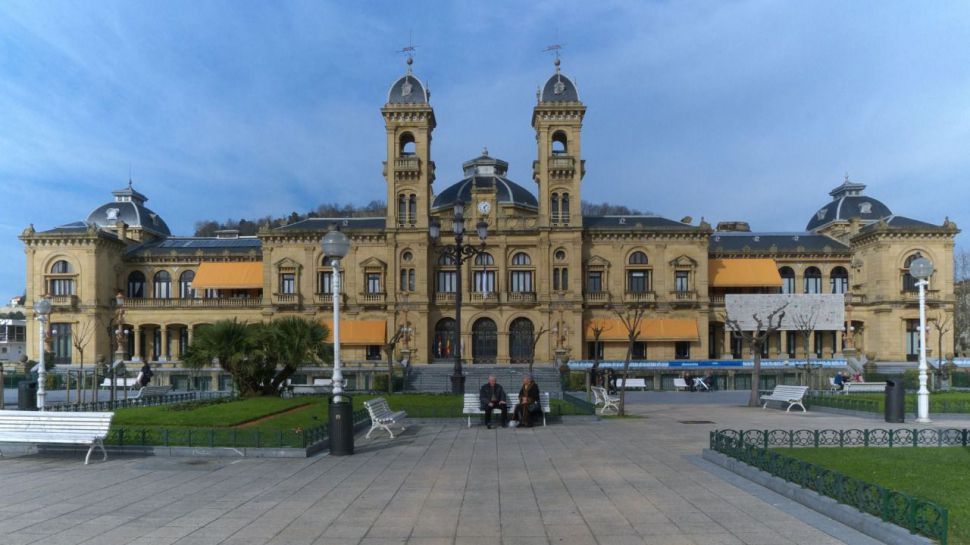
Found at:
(409, 50)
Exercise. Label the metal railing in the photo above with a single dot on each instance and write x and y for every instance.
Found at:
(217, 302)
(916, 515)
(520, 297)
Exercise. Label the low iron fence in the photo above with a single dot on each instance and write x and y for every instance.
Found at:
(916, 515)
(108, 405)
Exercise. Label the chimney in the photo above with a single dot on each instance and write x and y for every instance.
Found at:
(121, 229)
(227, 233)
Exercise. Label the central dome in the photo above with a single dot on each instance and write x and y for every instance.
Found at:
(129, 207)
(848, 202)
(484, 172)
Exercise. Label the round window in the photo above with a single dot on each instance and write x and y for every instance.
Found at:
(407, 256)
(560, 255)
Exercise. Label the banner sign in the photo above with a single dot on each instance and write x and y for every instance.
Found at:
(689, 364)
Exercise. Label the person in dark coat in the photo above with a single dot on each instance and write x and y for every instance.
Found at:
(528, 407)
(145, 375)
(491, 397)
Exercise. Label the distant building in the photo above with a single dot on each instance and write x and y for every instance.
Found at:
(548, 267)
(13, 331)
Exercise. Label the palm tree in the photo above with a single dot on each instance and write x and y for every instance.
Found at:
(283, 346)
(227, 342)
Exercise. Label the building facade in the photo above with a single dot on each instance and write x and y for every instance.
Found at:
(548, 286)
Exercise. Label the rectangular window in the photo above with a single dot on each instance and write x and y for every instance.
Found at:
(407, 279)
(639, 350)
(912, 340)
(594, 282)
(638, 281)
(839, 284)
(373, 352)
(325, 282)
(20, 333)
(62, 286)
(682, 350)
(287, 283)
(594, 350)
(61, 342)
(788, 284)
(446, 282)
(211, 293)
(813, 284)
(186, 291)
(791, 342)
(402, 211)
(373, 282)
(682, 280)
(156, 344)
(162, 289)
(4, 333)
(560, 279)
(412, 210)
(483, 281)
(411, 276)
(819, 343)
(521, 281)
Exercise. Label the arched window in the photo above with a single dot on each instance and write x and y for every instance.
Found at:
(136, 284)
(162, 285)
(638, 258)
(484, 259)
(185, 285)
(483, 280)
(639, 278)
(813, 280)
(559, 142)
(446, 260)
(839, 280)
(909, 281)
(61, 267)
(787, 279)
(407, 147)
(521, 258)
(521, 337)
(325, 276)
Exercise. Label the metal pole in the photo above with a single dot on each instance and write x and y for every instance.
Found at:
(923, 405)
(457, 378)
(41, 371)
(338, 377)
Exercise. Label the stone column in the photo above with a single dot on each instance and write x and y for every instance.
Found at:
(137, 333)
(166, 349)
(726, 348)
(783, 344)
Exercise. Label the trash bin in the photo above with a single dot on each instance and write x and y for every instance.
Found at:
(341, 425)
(27, 395)
(895, 401)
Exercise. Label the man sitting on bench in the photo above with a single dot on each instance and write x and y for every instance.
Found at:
(492, 396)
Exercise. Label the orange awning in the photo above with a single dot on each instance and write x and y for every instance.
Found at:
(651, 329)
(229, 276)
(743, 273)
(367, 332)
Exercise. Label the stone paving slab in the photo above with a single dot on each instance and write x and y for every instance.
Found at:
(607, 483)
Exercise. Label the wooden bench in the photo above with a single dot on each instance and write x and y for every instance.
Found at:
(849, 387)
(792, 395)
(120, 382)
(632, 383)
(381, 416)
(146, 392)
(601, 397)
(472, 405)
(57, 428)
(680, 384)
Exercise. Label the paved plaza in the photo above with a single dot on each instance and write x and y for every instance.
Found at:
(639, 481)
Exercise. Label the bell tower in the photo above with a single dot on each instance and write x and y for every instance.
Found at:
(559, 167)
(409, 171)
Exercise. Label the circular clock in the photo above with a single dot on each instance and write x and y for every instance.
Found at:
(484, 207)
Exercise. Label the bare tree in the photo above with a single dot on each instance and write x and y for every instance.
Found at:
(82, 335)
(598, 327)
(631, 316)
(805, 322)
(389, 348)
(765, 327)
(961, 309)
(942, 325)
(535, 341)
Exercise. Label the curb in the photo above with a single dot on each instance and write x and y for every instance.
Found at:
(862, 522)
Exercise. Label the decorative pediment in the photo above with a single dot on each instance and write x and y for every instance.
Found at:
(288, 263)
(597, 261)
(373, 263)
(683, 261)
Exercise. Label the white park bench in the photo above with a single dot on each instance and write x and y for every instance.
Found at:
(381, 416)
(146, 392)
(680, 384)
(849, 387)
(120, 382)
(632, 383)
(792, 395)
(601, 397)
(472, 405)
(57, 428)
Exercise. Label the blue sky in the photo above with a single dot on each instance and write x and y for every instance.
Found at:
(747, 110)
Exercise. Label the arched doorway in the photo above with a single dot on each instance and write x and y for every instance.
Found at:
(521, 339)
(442, 344)
(484, 341)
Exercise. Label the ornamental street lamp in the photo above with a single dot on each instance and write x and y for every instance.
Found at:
(921, 269)
(335, 245)
(42, 308)
(459, 252)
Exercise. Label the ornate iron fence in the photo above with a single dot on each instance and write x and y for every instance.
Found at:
(916, 515)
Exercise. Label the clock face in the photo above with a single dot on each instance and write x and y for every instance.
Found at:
(484, 207)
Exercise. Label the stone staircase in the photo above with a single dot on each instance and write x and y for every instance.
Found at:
(436, 378)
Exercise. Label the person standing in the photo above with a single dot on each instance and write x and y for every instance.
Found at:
(145, 375)
(491, 397)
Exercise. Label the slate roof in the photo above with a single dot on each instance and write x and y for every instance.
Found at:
(76, 228)
(795, 242)
(635, 222)
(567, 91)
(485, 172)
(324, 224)
(901, 222)
(407, 90)
(191, 245)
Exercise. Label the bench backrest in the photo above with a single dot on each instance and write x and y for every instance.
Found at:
(473, 404)
(680, 383)
(75, 423)
(323, 382)
(155, 391)
(599, 394)
(789, 392)
(632, 383)
(864, 386)
(378, 408)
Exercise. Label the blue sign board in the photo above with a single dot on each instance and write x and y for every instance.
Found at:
(707, 364)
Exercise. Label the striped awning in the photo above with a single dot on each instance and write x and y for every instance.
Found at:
(743, 273)
(228, 276)
(651, 329)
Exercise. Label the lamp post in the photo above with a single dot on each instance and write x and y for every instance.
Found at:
(335, 245)
(921, 269)
(42, 307)
(459, 252)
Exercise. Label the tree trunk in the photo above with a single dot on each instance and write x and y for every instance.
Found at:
(626, 372)
(755, 399)
(390, 369)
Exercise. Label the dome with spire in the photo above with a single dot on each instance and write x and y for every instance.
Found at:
(559, 88)
(485, 172)
(128, 206)
(849, 202)
(408, 89)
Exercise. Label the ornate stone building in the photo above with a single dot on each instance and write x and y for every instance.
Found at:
(547, 282)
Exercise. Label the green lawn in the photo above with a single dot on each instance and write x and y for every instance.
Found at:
(940, 402)
(935, 474)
